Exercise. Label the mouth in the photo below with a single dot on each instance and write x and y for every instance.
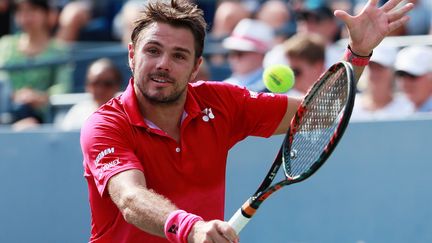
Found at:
(161, 79)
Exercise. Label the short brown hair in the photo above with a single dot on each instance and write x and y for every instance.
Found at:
(178, 13)
(308, 47)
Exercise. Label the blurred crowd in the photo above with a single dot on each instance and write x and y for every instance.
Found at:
(39, 38)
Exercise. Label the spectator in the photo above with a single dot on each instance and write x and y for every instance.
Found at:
(277, 14)
(5, 16)
(228, 14)
(103, 81)
(88, 20)
(73, 17)
(31, 87)
(305, 54)
(320, 20)
(125, 19)
(414, 70)
(274, 13)
(379, 99)
(247, 46)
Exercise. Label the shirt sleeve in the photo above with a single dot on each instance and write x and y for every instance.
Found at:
(252, 113)
(261, 113)
(108, 149)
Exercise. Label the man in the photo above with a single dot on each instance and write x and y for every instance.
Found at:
(320, 20)
(103, 82)
(247, 46)
(305, 54)
(414, 71)
(162, 145)
(378, 99)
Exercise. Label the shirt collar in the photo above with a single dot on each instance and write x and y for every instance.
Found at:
(131, 106)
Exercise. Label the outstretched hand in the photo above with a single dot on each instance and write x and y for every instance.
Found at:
(368, 28)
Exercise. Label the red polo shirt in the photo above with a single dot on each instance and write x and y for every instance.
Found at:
(190, 173)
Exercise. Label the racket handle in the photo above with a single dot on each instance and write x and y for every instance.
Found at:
(238, 221)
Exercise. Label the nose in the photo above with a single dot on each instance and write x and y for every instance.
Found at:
(164, 63)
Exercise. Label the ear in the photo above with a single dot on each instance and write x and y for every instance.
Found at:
(131, 55)
(196, 69)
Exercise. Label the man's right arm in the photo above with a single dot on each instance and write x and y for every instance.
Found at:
(149, 210)
(140, 206)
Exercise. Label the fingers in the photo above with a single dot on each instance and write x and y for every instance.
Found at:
(397, 18)
(344, 16)
(228, 232)
(216, 231)
(398, 23)
(389, 5)
(399, 13)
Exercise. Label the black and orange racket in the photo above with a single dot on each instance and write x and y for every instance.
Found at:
(314, 132)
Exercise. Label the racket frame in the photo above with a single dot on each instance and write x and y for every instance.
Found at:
(248, 209)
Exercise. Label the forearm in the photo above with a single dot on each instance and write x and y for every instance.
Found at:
(145, 209)
(358, 70)
(150, 211)
(139, 205)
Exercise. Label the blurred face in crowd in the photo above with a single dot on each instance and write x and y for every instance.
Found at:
(380, 78)
(244, 62)
(102, 83)
(327, 28)
(163, 62)
(305, 73)
(30, 17)
(417, 88)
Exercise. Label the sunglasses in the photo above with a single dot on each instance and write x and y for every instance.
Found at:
(238, 54)
(297, 71)
(406, 75)
(103, 83)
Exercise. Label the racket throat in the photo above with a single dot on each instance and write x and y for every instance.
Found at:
(248, 210)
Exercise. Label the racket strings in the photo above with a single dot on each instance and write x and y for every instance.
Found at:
(318, 125)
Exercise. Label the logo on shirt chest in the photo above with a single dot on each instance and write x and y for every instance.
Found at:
(208, 114)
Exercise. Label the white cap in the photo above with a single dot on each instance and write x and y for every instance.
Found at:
(385, 55)
(415, 60)
(250, 35)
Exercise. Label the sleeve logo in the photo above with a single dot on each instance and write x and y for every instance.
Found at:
(103, 153)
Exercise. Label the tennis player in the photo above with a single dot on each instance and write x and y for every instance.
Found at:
(155, 157)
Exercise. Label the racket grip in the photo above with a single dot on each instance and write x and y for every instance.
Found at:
(238, 221)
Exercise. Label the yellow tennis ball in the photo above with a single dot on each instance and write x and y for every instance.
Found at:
(278, 78)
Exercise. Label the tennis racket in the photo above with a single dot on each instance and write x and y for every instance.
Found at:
(315, 130)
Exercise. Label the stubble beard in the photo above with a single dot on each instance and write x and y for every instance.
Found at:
(159, 98)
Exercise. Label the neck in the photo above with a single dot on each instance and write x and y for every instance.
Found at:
(378, 101)
(166, 116)
(33, 43)
(36, 36)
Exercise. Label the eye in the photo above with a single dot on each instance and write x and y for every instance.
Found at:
(180, 56)
(153, 51)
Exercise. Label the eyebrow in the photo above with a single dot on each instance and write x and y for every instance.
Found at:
(180, 49)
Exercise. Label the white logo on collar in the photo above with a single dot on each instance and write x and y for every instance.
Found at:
(208, 114)
(253, 94)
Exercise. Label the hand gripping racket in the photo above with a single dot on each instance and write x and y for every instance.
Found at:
(314, 132)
